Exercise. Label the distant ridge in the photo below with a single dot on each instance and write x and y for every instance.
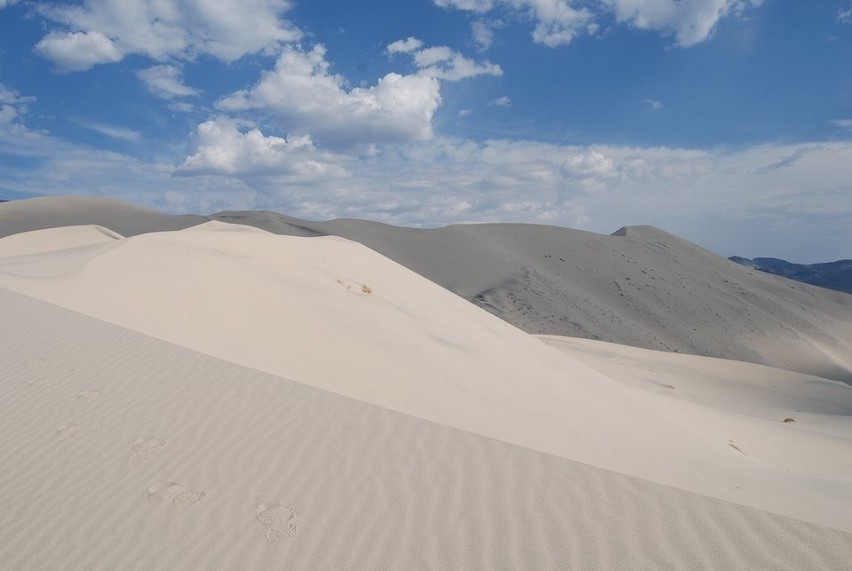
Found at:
(832, 275)
(18, 216)
(641, 286)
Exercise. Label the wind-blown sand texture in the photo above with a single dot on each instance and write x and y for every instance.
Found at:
(127, 452)
(222, 396)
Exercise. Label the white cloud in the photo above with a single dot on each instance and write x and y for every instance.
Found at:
(483, 33)
(559, 22)
(464, 112)
(4, 3)
(843, 124)
(690, 21)
(728, 201)
(654, 104)
(164, 82)
(105, 31)
(405, 46)
(222, 148)
(502, 101)
(181, 106)
(441, 62)
(114, 132)
(304, 97)
(78, 51)
(12, 106)
(480, 6)
(844, 15)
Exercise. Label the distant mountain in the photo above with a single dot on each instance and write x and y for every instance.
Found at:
(832, 275)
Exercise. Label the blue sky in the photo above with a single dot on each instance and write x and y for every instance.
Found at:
(728, 122)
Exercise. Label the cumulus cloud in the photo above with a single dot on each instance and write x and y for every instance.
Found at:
(654, 104)
(558, 22)
(721, 199)
(405, 46)
(441, 62)
(105, 31)
(304, 97)
(78, 51)
(502, 101)
(222, 148)
(164, 81)
(691, 22)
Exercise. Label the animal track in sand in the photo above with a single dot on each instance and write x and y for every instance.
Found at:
(172, 492)
(279, 519)
(74, 431)
(146, 448)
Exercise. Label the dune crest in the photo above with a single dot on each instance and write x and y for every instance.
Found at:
(335, 315)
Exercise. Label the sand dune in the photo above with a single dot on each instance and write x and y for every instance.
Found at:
(335, 315)
(57, 211)
(127, 452)
(641, 287)
(54, 239)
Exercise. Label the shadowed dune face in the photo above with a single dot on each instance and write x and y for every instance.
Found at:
(640, 286)
(56, 211)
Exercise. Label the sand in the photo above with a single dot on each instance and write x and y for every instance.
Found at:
(641, 286)
(18, 216)
(225, 397)
(129, 452)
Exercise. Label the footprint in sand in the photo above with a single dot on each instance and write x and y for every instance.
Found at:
(280, 521)
(172, 492)
(74, 431)
(146, 448)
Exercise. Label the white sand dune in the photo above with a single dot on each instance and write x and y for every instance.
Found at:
(640, 286)
(54, 239)
(335, 315)
(121, 451)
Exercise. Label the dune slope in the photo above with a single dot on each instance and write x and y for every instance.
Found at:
(18, 216)
(333, 314)
(640, 286)
(133, 453)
